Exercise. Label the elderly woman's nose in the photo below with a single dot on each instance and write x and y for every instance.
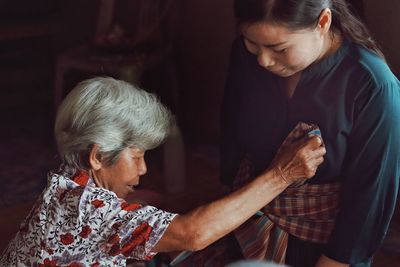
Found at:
(265, 58)
(142, 167)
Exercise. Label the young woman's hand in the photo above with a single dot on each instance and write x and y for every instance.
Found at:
(299, 160)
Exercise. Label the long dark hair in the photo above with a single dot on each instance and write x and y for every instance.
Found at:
(301, 14)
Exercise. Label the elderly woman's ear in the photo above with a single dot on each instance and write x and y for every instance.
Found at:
(94, 158)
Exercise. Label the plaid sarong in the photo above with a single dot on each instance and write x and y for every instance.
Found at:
(307, 211)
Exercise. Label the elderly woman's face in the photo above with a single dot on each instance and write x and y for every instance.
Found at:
(124, 174)
(280, 50)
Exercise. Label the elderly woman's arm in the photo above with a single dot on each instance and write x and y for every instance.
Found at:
(206, 224)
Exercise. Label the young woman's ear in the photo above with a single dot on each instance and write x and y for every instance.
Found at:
(94, 158)
(325, 20)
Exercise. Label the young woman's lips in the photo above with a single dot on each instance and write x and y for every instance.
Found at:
(276, 70)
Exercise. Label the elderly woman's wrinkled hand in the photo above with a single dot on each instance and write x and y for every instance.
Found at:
(299, 160)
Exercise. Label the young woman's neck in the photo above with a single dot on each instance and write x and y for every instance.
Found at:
(332, 43)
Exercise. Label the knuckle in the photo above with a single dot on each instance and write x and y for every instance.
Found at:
(301, 155)
(315, 139)
(310, 171)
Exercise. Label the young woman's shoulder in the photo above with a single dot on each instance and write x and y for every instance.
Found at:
(372, 65)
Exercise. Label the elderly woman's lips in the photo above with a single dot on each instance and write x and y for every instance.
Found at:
(130, 188)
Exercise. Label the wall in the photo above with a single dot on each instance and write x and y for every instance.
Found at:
(383, 20)
(203, 32)
(78, 21)
(204, 36)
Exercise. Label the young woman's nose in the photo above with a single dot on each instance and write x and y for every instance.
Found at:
(265, 58)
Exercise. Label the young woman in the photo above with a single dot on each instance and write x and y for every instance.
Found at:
(313, 61)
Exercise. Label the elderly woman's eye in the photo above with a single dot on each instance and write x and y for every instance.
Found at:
(137, 158)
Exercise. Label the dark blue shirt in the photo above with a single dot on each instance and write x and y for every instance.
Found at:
(355, 100)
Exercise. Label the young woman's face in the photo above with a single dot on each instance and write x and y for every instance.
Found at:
(124, 174)
(282, 51)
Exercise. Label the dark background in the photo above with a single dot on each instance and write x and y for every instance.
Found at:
(33, 33)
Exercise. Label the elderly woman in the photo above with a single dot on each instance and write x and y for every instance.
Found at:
(103, 129)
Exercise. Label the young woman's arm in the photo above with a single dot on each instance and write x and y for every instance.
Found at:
(206, 224)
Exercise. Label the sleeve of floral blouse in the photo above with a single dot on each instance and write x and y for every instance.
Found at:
(133, 230)
(370, 178)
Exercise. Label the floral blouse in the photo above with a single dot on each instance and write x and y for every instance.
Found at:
(75, 223)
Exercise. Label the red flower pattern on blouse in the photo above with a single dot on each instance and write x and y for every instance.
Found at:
(113, 239)
(129, 207)
(116, 225)
(86, 230)
(98, 203)
(115, 250)
(48, 263)
(126, 230)
(67, 239)
(62, 196)
(81, 178)
(139, 236)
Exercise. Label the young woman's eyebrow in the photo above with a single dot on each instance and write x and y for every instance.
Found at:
(266, 45)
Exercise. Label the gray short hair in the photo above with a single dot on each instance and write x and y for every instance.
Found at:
(112, 114)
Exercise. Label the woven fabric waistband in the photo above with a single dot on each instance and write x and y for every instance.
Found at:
(307, 212)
